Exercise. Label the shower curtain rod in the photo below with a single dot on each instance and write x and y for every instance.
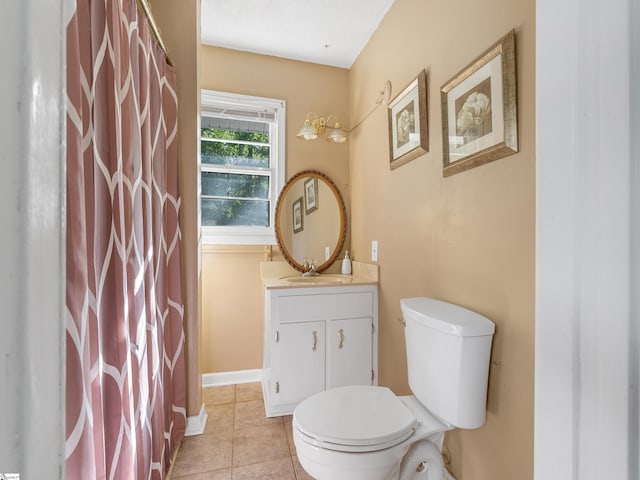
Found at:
(154, 28)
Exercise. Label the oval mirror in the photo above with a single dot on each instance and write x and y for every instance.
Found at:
(311, 220)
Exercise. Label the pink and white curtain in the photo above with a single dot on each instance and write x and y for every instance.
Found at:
(125, 394)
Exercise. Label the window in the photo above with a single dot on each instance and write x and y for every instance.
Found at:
(242, 167)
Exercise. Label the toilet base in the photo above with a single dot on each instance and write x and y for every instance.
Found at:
(324, 464)
(424, 461)
(378, 469)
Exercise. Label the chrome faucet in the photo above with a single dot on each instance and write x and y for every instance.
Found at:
(310, 268)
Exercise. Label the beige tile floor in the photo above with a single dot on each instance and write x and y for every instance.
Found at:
(239, 442)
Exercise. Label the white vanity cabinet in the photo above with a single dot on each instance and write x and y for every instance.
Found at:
(317, 338)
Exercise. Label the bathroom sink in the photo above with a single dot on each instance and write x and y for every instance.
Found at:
(318, 279)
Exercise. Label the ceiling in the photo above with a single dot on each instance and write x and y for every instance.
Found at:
(328, 32)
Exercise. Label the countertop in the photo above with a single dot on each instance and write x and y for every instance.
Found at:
(282, 275)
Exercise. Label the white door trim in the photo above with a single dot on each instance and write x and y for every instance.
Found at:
(32, 246)
(587, 253)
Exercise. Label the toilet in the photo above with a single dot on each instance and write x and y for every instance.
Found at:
(364, 432)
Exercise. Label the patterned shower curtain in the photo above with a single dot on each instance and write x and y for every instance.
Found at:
(125, 393)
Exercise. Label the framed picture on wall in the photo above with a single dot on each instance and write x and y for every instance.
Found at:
(311, 195)
(298, 220)
(408, 135)
(479, 110)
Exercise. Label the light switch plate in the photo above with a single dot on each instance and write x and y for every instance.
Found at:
(374, 250)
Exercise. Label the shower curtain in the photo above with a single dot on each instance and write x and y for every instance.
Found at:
(125, 381)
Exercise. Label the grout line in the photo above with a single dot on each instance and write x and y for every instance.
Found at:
(233, 428)
(293, 467)
(174, 458)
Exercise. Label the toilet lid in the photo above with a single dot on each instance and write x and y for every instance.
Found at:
(354, 416)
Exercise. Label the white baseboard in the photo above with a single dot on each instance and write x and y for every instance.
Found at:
(196, 423)
(231, 378)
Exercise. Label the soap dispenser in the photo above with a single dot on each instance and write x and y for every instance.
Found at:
(346, 264)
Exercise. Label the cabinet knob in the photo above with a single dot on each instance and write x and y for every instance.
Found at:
(315, 341)
(340, 338)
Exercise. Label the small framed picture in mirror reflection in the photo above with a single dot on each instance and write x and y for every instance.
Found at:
(298, 221)
(311, 195)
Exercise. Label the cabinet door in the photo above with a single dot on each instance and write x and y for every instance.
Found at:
(349, 352)
(299, 361)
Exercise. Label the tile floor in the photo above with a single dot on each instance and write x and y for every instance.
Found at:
(239, 442)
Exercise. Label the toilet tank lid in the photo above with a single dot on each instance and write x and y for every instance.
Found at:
(446, 317)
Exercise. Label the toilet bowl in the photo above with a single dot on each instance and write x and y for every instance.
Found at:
(361, 432)
(368, 433)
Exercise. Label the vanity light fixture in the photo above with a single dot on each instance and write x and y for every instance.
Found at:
(315, 126)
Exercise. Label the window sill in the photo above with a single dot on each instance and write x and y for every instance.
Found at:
(245, 237)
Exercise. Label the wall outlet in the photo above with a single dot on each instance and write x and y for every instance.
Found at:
(374, 250)
(327, 253)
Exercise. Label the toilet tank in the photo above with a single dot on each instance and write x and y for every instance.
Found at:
(448, 350)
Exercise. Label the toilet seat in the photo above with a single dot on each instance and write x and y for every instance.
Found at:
(355, 418)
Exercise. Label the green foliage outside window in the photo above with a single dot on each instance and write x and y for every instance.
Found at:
(219, 153)
(235, 199)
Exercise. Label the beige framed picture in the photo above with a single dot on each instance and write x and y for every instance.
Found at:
(479, 110)
(407, 112)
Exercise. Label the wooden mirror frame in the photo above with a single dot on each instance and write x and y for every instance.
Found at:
(281, 210)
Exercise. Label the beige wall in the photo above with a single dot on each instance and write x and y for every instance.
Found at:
(232, 298)
(468, 238)
(232, 308)
(179, 23)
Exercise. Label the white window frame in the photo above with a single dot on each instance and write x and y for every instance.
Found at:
(247, 107)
